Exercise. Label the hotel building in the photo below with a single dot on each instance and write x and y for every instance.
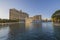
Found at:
(17, 15)
(22, 16)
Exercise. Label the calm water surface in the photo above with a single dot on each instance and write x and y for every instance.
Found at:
(42, 31)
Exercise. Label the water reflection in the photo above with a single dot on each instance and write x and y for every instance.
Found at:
(57, 31)
(4, 31)
(34, 31)
(16, 31)
(34, 26)
(48, 31)
(21, 32)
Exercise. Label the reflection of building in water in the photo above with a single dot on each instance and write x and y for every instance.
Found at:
(37, 24)
(17, 15)
(16, 31)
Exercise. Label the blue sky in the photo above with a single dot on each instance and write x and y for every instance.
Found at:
(33, 7)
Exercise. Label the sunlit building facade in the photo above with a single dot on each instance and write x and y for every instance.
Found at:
(37, 17)
(34, 19)
(17, 15)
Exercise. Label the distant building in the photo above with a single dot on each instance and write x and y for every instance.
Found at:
(37, 17)
(15, 14)
(28, 21)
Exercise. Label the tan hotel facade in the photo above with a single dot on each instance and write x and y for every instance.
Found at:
(15, 14)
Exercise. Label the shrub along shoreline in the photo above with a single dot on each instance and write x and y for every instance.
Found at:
(7, 20)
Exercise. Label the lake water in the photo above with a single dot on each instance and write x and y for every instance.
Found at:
(20, 31)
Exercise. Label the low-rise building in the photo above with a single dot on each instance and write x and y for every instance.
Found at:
(37, 17)
(34, 19)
